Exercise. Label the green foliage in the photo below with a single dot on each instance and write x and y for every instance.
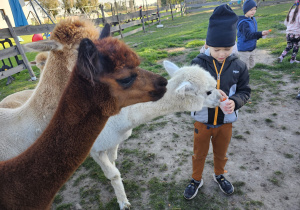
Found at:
(65, 206)
(58, 199)
(195, 43)
(94, 170)
(165, 195)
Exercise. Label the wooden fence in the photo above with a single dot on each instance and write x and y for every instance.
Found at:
(123, 21)
(120, 22)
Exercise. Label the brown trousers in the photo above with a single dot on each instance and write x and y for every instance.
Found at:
(220, 138)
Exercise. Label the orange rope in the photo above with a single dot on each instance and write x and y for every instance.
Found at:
(218, 87)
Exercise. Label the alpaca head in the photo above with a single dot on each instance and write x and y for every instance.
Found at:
(111, 63)
(40, 60)
(65, 39)
(192, 85)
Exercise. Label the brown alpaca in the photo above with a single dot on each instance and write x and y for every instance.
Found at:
(105, 79)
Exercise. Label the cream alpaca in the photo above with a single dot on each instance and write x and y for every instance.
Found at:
(23, 125)
(189, 89)
(19, 98)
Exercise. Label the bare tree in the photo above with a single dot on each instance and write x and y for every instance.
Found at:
(82, 5)
(67, 5)
(94, 3)
(50, 5)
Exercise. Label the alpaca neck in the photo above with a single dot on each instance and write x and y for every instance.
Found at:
(45, 166)
(52, 83)
(143, 112)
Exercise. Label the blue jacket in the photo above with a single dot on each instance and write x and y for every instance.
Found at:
(234, 81)
(247, 34)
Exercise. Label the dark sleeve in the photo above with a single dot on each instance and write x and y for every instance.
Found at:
(243, 90)
(197, 61)
(245, 29)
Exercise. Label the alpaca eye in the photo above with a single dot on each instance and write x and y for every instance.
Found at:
(208, 93)
(127, 82)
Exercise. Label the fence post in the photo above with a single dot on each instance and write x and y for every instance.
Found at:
(171, 11)
(116, 6)
(142, 19)
(19, 47)
(158, 14)
(103, 14)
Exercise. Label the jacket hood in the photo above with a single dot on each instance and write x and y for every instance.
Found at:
(242, 17)
(208, 58)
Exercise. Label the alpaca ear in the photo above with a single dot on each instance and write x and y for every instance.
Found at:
(39, 46)
(170, 67)
(185, 88)
(105, 31)
(89, 60)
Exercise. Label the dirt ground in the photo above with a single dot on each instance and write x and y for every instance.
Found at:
(264, 152)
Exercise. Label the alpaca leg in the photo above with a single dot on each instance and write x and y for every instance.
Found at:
(112, 173)
(113, 154)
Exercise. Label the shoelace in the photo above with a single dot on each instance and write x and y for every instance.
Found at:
(223, 180)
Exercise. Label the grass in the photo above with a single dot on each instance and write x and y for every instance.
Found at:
(152, 47)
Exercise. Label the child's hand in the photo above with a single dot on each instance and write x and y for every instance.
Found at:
(222, 93)
(264, 33)
(230, 105)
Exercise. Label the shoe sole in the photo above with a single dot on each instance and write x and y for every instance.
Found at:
(200, 185)
(221, 187)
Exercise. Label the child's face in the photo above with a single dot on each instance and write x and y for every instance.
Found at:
(251, 13)
(220, 53)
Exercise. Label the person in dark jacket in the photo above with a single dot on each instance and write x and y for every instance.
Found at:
(232, 81)
(247, 33)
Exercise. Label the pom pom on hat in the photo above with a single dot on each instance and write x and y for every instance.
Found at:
(248, 5)
(221, 30)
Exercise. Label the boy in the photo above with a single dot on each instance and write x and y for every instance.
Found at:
(232, 80)
(248, 34)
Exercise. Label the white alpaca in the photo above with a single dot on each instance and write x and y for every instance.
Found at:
(21, 126)
(189, 89)
(19, 98)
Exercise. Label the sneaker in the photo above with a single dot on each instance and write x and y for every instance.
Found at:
(224, 184)
(279, 59)
(294, 61)
(192, 189)
(298, 96)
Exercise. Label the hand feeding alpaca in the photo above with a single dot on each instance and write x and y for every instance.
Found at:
(19, 98)
(31, 118)
(105, 79)
(189, 89)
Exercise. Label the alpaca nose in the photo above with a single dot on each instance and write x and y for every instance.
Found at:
(160, 89)
(162, 82)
